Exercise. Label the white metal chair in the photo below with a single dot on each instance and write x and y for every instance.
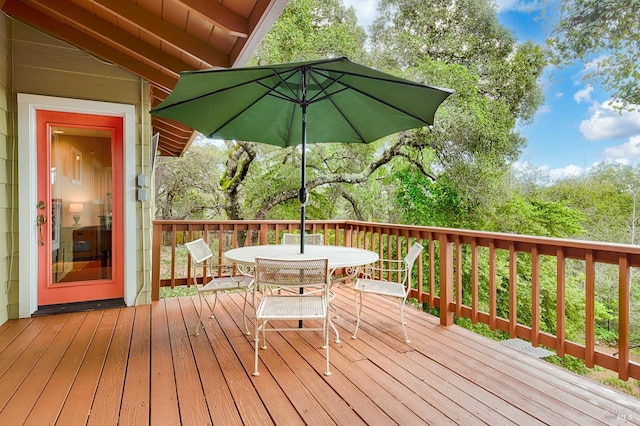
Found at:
(286, 306)
(379, 279)
(312, 239)
(316, 239)
(201, 256)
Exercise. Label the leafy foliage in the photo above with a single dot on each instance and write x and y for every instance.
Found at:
(311, 29)
(569, 362)
(605, 32)
(461, 46)
(186, 187)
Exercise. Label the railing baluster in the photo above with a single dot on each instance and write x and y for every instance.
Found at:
(173, 256)
(474, 280)
(458, 277)
(446, 280)
(420, 275)
(492, 285)
(590, 302)
(535, 296)
(432, 271)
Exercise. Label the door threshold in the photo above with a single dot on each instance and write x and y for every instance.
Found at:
(92, 305)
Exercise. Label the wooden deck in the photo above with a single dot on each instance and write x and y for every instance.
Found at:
(136, 366)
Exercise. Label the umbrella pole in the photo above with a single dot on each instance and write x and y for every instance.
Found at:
(303, 197)
(303, 188)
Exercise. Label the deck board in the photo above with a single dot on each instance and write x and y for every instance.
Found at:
(133, 366)
(135, 398)
(106, 407)
(50, 402)
(164, 396)
(78, 401)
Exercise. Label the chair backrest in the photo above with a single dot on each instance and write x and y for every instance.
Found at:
(276, 273)
(311, 239)
(409, 260)
(412, 255)
(199, 251)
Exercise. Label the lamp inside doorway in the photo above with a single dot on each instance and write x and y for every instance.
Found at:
(75, 209)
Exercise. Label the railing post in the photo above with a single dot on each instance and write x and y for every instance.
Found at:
(624, 275)
(560, 302)
(446, 280)
(156, 245)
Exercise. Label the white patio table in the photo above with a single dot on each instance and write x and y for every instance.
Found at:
(338, 257)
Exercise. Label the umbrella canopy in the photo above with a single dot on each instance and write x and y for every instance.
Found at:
(330, 100)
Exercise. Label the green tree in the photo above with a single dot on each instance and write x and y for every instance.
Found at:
(312, 29)
(187, 186)
(607, 33)
(608, 196)
(467, 152)
(307, 29)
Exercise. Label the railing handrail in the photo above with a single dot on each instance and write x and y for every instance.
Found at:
(442, 287)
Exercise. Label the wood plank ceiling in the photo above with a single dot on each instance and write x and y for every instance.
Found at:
(156, 39)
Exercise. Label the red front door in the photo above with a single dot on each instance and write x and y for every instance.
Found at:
(80, 207)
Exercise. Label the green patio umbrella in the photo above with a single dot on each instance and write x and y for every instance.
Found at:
(329, 100)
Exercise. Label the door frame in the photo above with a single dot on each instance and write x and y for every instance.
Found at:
(27, 185)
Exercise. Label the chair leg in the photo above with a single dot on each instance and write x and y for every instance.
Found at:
(326, 343)
(215, 301)
(335, 331)
(264, 335)
(332, 306)
(211, 308)
(244, 313)
(257, 343)
(358, 310)
(403, 322)
(197, 330)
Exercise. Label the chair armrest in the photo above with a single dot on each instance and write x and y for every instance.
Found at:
(233, 271)
(382, 268)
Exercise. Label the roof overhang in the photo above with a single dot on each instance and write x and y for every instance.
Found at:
(156, 39)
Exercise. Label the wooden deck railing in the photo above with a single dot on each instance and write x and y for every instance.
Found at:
(502, 280)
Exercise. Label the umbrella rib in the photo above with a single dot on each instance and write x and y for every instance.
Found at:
(257, 80)
(269, 92)
(347, 86)
(334, 80)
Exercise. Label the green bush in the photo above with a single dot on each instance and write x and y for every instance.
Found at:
(482, 329)
(621, 385)
(570, 363)
(177, 291)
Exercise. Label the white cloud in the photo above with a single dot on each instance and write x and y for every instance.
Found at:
(608, 123)
(519, 5)
(366, 10)
(627, 153)
(583, 95)
(544, 175)
(565, 172)
(544, 109)
(594, 64)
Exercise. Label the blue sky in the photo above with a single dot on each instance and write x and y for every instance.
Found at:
(576, 127)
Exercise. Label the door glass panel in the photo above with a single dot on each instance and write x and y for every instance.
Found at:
(81, 204)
